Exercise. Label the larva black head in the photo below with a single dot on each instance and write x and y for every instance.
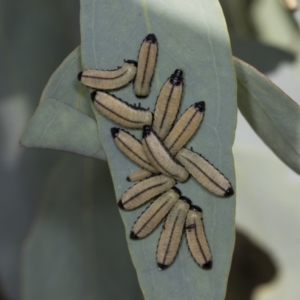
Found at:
(151, 38)
(146, 130)
(93, 95)
(200, 106)
(177, 190)
(120, 204)
(196, 208)
(177, 77)
(229, 192)
(131, 62)
(162, 267)
(186, 200)
(79, 76)
(114, 131)
(207, 266)
(133, 236)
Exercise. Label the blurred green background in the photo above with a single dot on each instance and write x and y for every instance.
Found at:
(35, 37)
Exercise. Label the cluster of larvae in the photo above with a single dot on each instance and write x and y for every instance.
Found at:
(162, 155)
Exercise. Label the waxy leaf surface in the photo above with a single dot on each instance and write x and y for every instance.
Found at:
(192, 36)
(64, 120)
(272, 114)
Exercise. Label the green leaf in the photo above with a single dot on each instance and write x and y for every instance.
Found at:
(77, 241)
(273, 115)
(237, 17)
(192, 36)
(279, 29)
(64, 119)
(268, 213)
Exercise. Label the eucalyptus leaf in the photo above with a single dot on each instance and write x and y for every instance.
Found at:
(237, 17)
(279, 29)
(192, 36)
(273, 115)
(268, 213)
(58, 126)
(64, 119)
(74, 247)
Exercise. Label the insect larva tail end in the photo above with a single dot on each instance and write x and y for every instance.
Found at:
(200, 106)
(190, 227)
(141, 96)
(131, 62)
(134, 236)
(93, 95)
(177, 77)
(177, 190)
(114, 131)
(120, 204)
(162, 267)
(128, 178)
(207, 266)
(196, 208)
(151, 38)
(79, 76)
(146, 131)
(229, 192)
(186, 199)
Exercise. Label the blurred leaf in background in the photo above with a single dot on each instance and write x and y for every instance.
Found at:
(77, 249)
(275, 25)
(246, 32)
(239, 21)
(35, 37)
(273, 115)
(268, 202)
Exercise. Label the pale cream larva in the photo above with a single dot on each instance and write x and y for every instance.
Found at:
(145, 190)
(196, 238)
(109, 79)
(171, 234)
(146, 66)
(160, 157)
(182, 132)
(167, 104)
(154, 214)
(205, 173)
(132, 148)
(120, 111)
(138, 175)
(185, 127)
